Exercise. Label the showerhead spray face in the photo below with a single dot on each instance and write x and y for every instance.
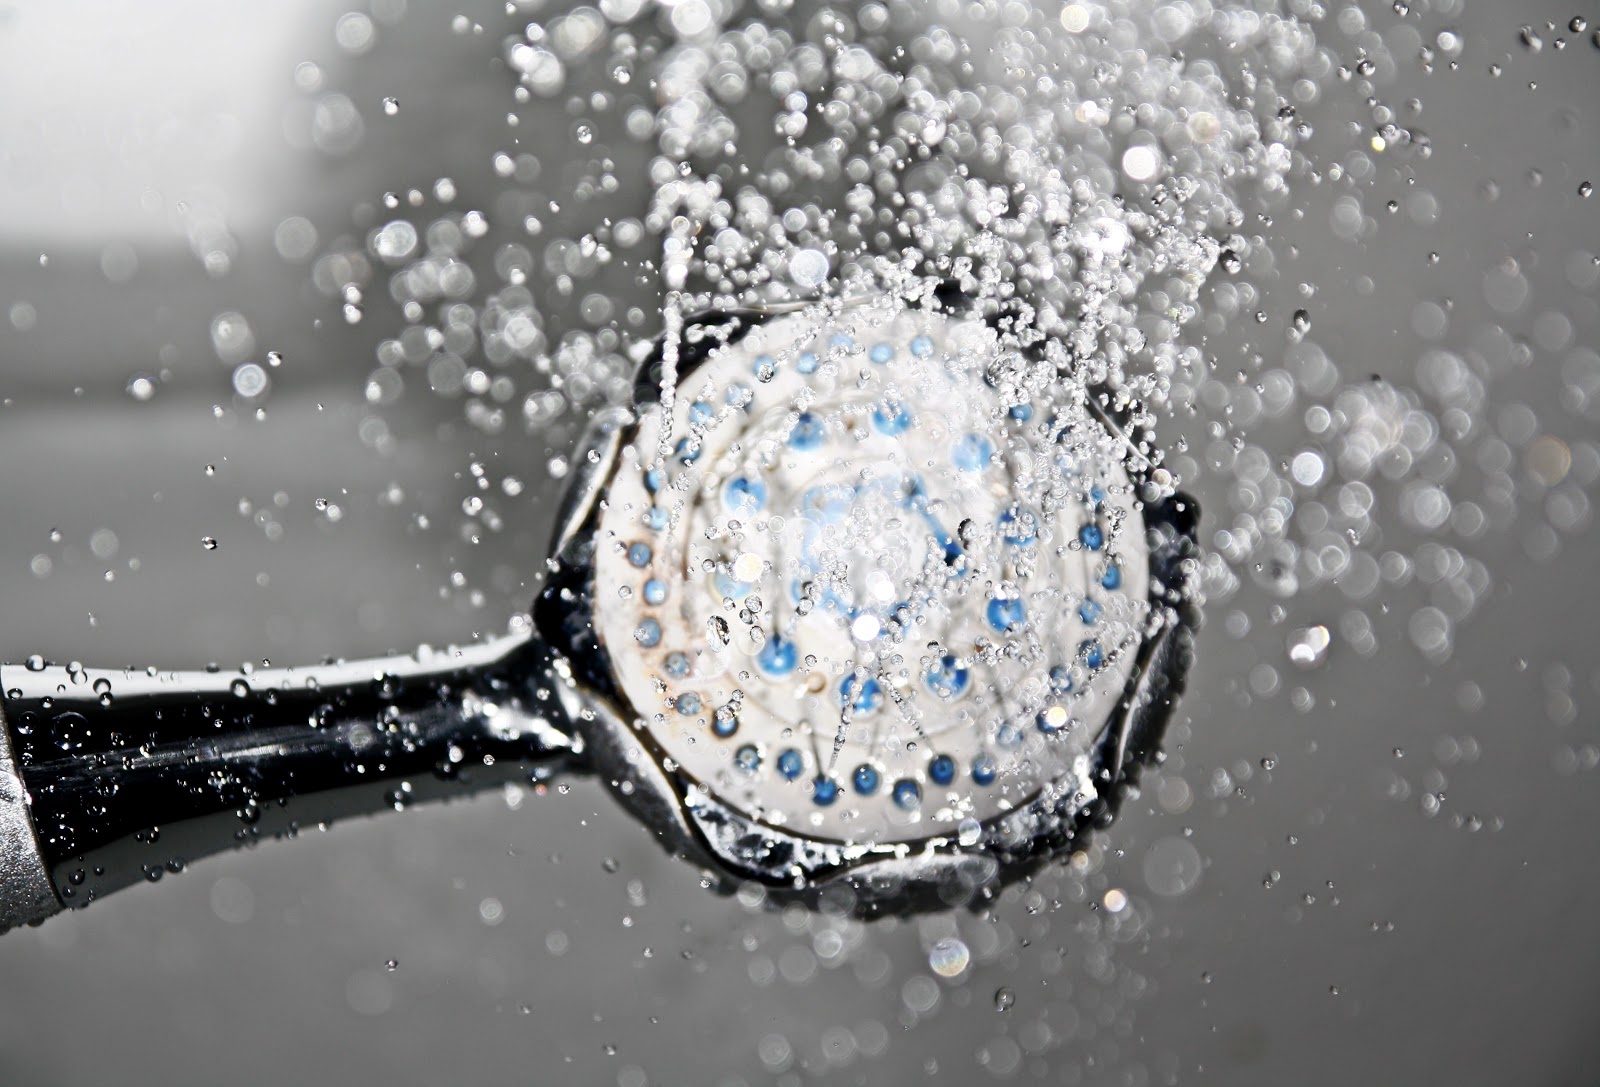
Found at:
(868, 586)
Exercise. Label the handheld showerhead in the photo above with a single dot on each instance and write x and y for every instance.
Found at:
(868, 593)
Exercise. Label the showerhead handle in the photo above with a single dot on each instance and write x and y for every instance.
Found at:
(108, 778)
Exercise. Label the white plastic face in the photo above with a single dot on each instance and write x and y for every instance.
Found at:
(854, 594)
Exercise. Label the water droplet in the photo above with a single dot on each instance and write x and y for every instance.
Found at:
(969, 831)
(949, 957)
(208, 542)
(251, 381)
(1004, 999)
(1142, 163)
(1308, 646)
(809, 268)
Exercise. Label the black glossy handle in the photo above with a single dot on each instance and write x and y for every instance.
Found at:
(131, 774)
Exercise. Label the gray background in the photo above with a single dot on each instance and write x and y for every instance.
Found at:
(1390, 947)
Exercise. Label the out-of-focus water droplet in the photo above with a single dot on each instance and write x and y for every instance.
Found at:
(354, 32)
(1172, 867)
(949, 957)
(393, 242)
(103, 543)
(1308, 646)
(250, 380)
(1142, 163)
(809, 268)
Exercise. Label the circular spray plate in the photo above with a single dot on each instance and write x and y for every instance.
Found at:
(853, 590)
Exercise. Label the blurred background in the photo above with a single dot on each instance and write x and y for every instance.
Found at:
(1379, 869)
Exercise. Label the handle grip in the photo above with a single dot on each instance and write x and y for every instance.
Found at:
(127, 775)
